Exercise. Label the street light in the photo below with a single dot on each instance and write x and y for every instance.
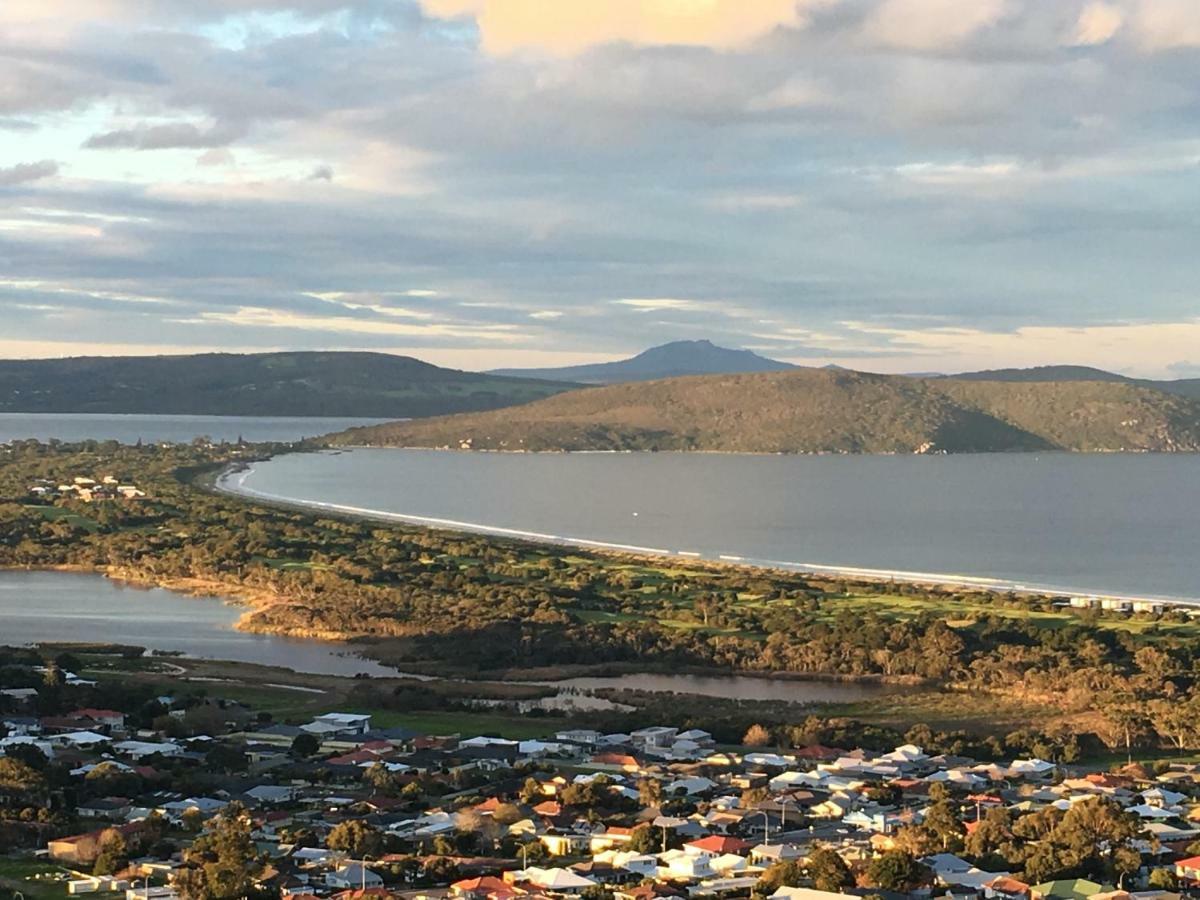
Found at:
(766, 827)
(783, 805)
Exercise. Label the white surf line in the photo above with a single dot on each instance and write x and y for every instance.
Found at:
(906, 576)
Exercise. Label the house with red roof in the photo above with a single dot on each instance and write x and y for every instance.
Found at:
(487, 887)
(718, 845)
(1188, 870)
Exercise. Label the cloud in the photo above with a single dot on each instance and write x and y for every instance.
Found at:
(321, 173)
(931, 24)
(261, 317)
(659, 304)
(1097, 24)
(1131, 347)
(1167, 24)
(173, 135)
(23, 173)
(570, 26)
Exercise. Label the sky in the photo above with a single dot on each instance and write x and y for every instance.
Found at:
(890, 185)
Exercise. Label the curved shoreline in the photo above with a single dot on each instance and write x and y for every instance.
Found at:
(226, 483)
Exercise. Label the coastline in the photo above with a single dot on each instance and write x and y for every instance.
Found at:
(855, 574)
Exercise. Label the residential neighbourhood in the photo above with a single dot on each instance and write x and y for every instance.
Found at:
(339, 807)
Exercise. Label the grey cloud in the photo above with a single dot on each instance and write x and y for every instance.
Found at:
(27, 172)
(321, 173)
(172, 135)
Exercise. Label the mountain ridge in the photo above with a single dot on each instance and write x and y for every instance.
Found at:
(674, 359)
(1183, 387)
(819, 411)
(301, 383)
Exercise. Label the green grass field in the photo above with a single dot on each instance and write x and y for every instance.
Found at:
(22, 875)
(58, 514)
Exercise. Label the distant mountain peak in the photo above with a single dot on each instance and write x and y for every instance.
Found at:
(671, 360)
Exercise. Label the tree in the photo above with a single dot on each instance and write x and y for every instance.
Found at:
(1163, 880)
(507, 814)
(531, 791)
(381, 780)
(643, 840)
(896, 871)
(789, 873)
(483, 828)
(355, 838)
(942, 820)
(222, 864)
(650, 793)
(19, 783)
(114, 854)
(1125, 717)
(1178, 720)
(992, 832)
(226, 758)
(305, 745)
(828, 871)
(756, 736)
(192, 820)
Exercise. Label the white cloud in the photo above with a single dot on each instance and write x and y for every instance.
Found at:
(1141, 348)
(1167, 24)
(1097, 24)
(262, 317)
(931, 24)
(658, 304)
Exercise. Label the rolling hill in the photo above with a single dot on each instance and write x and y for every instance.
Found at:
(672, 360)
(378, 385)
(819, 411)
(1184, 387)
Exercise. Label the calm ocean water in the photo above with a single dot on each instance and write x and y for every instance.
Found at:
(1118, 524)
(175, 429)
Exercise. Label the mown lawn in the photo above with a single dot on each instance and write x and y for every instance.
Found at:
(21, 875)
(58, 514)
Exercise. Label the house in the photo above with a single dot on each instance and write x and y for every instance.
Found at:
(1067, 889)
(82, 849)
(486, 887)
(112, 809)
(791, 893)
(137, 750)
(353, 875)
(565, 844)
(657, 737)
(79, 740)
(340, 724)
(104, 720)
(716, 845)
(1006, 887)
(557, 881)
(1188, 870)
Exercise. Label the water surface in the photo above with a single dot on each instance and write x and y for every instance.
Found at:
(129, 429)
(1103, 523)
(81, 608)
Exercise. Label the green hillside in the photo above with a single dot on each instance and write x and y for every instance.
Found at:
(379, 385)
(815, 411)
